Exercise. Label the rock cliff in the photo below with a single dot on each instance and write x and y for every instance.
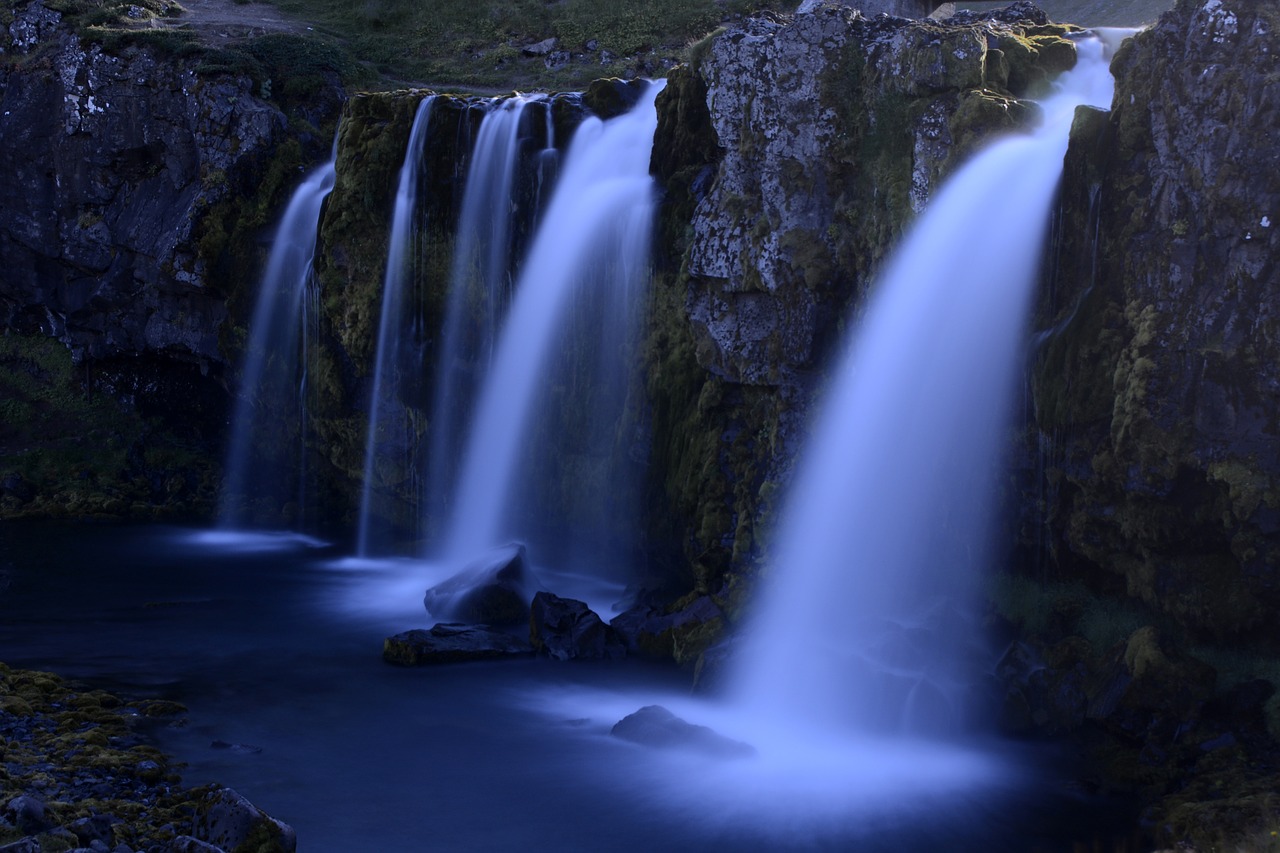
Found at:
(138, 176)
(1149, 497)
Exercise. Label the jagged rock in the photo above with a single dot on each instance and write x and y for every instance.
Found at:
(451, 643)
(227, 820)
(649, 631)
(492, 590)
(564, 629)
(1154, 456)
(22, 845)
(655, 726)
(541, 48)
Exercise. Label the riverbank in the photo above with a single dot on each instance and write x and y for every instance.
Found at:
(79, 772)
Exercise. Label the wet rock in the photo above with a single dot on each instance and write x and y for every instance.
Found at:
(565, 629)
(492, 590)
(451, 643)
(227, 820)
(655, 726)
(649, 631)
(237, 748)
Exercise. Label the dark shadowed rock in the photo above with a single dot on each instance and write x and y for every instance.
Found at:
(647, 630)
(227, 820)
(451, 643)
(563, 628)
(23, 845)
(655, 726)
(27, 814)
(492, 590)
(95, 828)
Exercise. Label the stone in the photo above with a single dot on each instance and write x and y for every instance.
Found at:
(649, 631)
(655, 726)
(451, 643)
(27, 813)
(566, 629)
(22, 845)
(494, 589)
(15, 486)
(93, 828)
(541, 48)
(898, 8)
(226, 819)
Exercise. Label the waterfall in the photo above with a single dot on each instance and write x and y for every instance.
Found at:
(480, 278)
(273, 381)
(594, 234)
(864, 620)
(393, 358)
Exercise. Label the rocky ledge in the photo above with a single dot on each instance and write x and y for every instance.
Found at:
(77, 775)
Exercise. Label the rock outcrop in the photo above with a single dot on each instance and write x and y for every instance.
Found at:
(794, 152)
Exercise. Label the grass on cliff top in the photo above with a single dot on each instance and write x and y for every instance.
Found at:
(1090, 13)
(478, 43)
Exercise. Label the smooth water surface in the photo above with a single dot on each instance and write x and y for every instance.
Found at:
(278, 648)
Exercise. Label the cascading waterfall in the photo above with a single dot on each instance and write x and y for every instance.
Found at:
(862, 626)
(273, 384)
(599, 217)
(385, 429)
(480, 279)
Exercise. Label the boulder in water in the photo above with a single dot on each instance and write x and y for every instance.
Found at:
(492, 590)
(682, 635)
(451, 643)
(563, 628)
(654, 725)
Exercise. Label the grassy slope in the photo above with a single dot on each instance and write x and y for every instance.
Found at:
(477, 43)
(1094, 13)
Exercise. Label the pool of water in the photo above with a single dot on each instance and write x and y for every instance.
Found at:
(274, 644)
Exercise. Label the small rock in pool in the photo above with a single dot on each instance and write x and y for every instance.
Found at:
(654, 725)
(238, 748)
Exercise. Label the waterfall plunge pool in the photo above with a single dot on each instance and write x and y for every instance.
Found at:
(274, 642)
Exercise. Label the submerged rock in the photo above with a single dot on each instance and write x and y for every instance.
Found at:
(563, 628)
(492, 590)
(451, 643)
(655, 726)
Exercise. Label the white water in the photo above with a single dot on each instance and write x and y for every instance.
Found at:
(274, 371)
(600, 214)
(390, 339)
(863, 626)
(479, 283)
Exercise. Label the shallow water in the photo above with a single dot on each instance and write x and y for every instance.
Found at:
(274, 643)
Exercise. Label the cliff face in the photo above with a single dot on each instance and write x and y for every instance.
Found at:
(1151, 516)
(794, 152)
(1155, 387)
(125, 169)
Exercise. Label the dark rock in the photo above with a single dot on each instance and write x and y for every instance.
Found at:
(648, 631)
(612, 96)
(492, 590)
(93, 828)
(564, 629)
(655, 726)
(227, 820)
(27, 813)
(237, 748)
(24, 845)
(15, 486)
(451, 643)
